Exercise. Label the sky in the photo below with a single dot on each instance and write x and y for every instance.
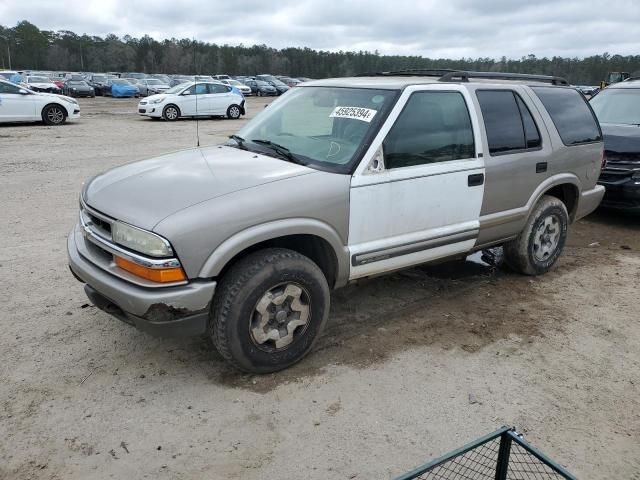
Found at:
(436, 29)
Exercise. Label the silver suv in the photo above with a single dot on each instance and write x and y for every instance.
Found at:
(338, 180)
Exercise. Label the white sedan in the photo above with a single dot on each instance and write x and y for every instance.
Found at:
(19, 104)
(194, 99)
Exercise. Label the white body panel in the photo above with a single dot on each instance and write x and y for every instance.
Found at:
(17, 107)
(413, 214)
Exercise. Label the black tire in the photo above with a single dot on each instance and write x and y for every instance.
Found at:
(171, 113)
(54, 114)
(234, 112)
(542, 240)
(235, 317)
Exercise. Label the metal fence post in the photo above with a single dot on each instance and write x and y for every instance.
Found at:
(502, 464)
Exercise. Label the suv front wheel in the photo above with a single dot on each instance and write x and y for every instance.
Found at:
(542, 240)
(268, 310)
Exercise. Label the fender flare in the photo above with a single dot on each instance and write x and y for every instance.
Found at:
(240, 241)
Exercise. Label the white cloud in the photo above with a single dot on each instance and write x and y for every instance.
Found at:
(457, 28)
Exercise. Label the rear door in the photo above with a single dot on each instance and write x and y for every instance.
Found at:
(220, 98)
(517, 159)
(416, 196)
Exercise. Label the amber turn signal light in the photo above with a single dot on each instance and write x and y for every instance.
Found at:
(160, 275)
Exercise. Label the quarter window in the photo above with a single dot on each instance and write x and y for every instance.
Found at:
(570, 113)
(507, 121)
(432, 127)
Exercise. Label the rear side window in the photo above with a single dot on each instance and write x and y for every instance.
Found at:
(433, 127)
(570, 113)
(508, 122)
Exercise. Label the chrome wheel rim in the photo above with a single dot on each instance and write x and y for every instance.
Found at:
(546, 238)
(281, 315)
(171, 113)
(55, 115)
(235, 112)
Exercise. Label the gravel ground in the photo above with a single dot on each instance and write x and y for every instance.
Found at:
(410, 366)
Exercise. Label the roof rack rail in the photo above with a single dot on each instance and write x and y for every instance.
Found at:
(461, 76)
(417, 72)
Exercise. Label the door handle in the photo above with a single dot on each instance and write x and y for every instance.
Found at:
(475, 179)
(541, 167)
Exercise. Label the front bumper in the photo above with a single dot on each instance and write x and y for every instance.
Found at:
(164, 311)
(623, 194)
(150, 109)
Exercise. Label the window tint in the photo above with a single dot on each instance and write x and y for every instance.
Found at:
(502, 120)
(531, 133)
(213, 88)
(198, 89)
(6, 88)
(570, 113)
(433, 127)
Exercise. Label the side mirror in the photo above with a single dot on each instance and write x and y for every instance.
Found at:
(23, 92)
(186, 92)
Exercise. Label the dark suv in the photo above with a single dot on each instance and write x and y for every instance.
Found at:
(618, 110)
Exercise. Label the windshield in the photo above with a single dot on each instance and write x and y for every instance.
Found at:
(77, 83)
(38, 80)
(99, 78)
(323, 127)
(260, 83)
(177, 88)
(154, 82)
(617, 105)
(121, 82)
(234, 82)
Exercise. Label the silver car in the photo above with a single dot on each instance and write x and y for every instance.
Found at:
(337, 180)
(151, 86)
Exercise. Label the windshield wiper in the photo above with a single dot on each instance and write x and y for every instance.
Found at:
(239, 140)
(281, 150)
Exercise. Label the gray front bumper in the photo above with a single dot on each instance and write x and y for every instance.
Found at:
(168, 311)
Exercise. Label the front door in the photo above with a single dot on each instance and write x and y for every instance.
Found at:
(194, 101)
(418, 192)
(16, 106)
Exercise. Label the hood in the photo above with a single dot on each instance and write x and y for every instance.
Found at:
(56, 96)
(143, 193)
(621, 138)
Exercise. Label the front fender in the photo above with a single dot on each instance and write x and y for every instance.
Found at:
(240, 241)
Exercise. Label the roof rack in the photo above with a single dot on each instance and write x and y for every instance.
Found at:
(413, 72)
(460, 76)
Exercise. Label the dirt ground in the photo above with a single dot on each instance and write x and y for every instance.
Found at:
(411, 365)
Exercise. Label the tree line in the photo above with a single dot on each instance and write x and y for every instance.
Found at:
(25, 46)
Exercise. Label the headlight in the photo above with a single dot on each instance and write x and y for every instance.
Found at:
(158, 100)
(140, 240)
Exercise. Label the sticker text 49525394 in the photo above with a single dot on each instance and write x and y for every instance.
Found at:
(357, 113)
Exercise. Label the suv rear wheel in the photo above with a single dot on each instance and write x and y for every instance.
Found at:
(542, 240)
(268, 310)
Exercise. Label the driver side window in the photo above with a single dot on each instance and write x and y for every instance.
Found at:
(432, 127)
(7, 88)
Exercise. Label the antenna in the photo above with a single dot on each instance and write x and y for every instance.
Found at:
(195, 91)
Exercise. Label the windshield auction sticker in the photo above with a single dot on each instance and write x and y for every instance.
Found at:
(357, 113)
